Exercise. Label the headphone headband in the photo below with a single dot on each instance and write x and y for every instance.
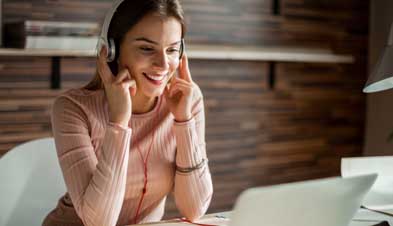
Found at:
(103, 40)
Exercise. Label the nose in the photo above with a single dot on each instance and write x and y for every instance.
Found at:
(161, 61)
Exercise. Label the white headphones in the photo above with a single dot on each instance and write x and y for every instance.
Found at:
(110, 44)
(103, 40)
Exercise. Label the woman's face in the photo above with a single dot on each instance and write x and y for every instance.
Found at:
(151, 50)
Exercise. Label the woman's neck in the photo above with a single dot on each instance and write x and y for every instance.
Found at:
(142, 104)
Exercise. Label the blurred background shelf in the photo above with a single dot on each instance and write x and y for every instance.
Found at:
(215, 52)
(204, 52)
(45, 52)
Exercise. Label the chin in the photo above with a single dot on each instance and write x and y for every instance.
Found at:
(153, 93)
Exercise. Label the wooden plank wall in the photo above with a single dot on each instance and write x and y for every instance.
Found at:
(298, 130)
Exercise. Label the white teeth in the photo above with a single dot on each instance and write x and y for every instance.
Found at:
(155, 78)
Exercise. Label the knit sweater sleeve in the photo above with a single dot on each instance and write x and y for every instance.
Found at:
(192, 191)
(95, 182)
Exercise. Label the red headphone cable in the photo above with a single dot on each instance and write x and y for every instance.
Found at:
(144, 190)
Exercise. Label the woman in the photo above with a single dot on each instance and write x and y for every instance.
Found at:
(136, 132)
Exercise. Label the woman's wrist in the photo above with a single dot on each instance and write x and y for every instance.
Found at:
(120, 126)
(121, 123)
(199, 165)
(183, 118)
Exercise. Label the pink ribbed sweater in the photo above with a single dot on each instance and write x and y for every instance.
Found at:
(103, 169)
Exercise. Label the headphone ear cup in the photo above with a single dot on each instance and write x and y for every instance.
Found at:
(111, 50)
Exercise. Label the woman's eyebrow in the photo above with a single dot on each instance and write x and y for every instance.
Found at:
(153, 42)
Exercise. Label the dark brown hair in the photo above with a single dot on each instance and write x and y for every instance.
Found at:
(127, 15)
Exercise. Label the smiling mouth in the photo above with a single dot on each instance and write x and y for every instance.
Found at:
(155, 79)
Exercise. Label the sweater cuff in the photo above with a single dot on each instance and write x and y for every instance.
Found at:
(188, 151)
(118, 126)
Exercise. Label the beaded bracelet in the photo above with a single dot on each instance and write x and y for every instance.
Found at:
(190, 169)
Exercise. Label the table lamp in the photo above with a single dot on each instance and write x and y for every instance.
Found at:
(381, 77)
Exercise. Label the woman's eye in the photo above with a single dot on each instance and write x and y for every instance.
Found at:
(146, 49)
(173, 50)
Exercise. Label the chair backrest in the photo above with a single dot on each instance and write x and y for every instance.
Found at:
(31, 183)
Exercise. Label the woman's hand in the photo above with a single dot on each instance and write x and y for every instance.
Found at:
(117, 91)
(179, 92)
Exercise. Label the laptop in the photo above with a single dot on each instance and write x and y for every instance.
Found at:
(322, 202)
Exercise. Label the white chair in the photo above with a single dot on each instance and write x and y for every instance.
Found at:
(31, 183)
(381, 194)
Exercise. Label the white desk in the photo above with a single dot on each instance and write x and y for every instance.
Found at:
(220, 219)
(362, 218)
(366, 218)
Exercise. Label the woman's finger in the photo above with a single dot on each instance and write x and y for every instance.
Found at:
(177, 81)
(130, 84)
(185, 89)
(184, 69)
(122, 75)
(181, 81)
